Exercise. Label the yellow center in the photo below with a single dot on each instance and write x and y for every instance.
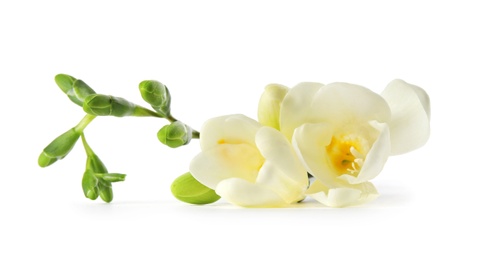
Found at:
(345, 154)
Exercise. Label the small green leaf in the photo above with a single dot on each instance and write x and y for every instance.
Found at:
(187, 189)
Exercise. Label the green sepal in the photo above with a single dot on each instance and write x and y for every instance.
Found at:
(111, 177)
(157, 95)
(58, 148)
(175, 134)
(187, 189)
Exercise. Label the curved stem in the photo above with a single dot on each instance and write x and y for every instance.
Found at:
(87, 148)
(79, 128)
(195, 134)
(141, 111)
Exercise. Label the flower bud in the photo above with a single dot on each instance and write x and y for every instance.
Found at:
(95, 164)
(157, 95)
(175, 134)
(270, 104)
(105, 190)
(74, 88)
(104, 105)
(90, 185)
(187, 189)
(58, 148)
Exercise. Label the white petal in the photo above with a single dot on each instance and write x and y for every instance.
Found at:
(274, 147)
(226, 161)
(274, 178)
(410, 109)
(270, 105)
(246, 194)
(344, 196)
(232, 129)
(376, 158)
(310, 142)
(344, 103)
(296, 106)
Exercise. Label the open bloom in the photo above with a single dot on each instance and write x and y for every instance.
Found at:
(248, 164)
(344, 133)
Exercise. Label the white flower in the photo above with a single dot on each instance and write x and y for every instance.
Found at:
(344, 134)
(248, 164)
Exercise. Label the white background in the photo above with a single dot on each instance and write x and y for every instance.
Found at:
(216, 57)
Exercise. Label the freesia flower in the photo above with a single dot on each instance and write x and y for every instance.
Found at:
(248, 164)
(344, 133)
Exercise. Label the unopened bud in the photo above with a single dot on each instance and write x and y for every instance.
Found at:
(157, 95)
(104, 105)
(58, 148)
(187, 189)
(175, 134)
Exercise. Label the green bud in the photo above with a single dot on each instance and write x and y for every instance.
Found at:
(104, 105)
(175, 134)
(74, 88)
(64, 82)
(105, 190)
(95, 164)
(157, 95)
(187, 189)
(58, 148)
(90, 185)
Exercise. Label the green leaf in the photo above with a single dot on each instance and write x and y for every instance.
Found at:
(187, 189)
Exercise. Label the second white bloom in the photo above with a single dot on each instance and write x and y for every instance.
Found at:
(248, 164)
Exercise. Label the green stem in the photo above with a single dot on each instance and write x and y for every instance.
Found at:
(141, 111)
(79, 128)
(87, 148)
(170, 118)
(195, 134)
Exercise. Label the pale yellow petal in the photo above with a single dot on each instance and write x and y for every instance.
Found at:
(274, 147)
(410, 107)
(342, 104)
(230, 129)
(296, 106)
(310, 142)
(344, 196)
(375, 159)
(226, 161)
(246, 194)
